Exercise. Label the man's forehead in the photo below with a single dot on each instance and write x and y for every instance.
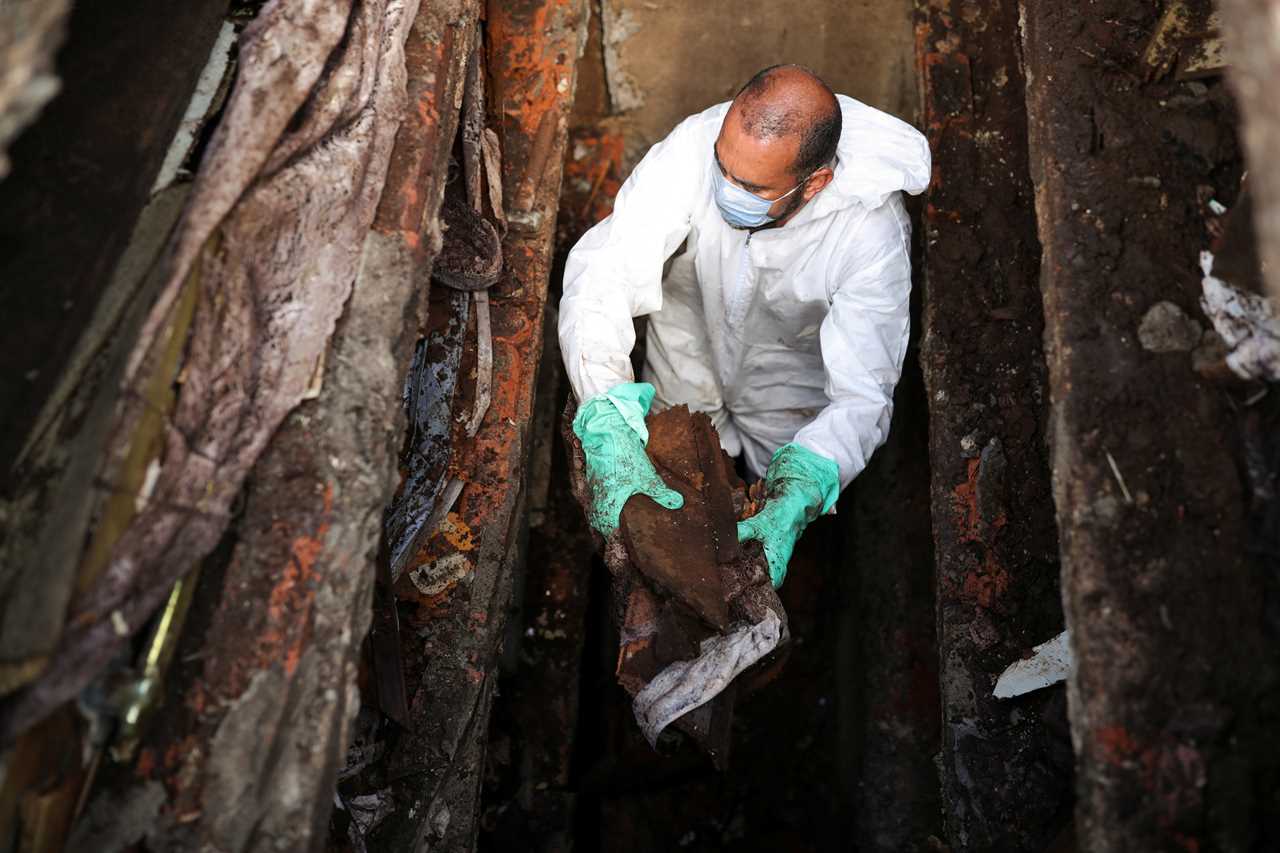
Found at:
(764, 163)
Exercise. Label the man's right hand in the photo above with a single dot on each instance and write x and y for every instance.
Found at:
(613, 435)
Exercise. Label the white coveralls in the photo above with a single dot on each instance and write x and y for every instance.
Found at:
(795, 333)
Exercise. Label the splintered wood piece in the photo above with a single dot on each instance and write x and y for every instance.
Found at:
(672, 447)
(674, 551)
(679, 551)
(637, 661)
(717, 491)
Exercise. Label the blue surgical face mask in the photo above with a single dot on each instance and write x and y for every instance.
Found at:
(740, 208)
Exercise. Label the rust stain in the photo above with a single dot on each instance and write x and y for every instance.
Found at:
(539, 63)
(457, 533)
(428, 115)
(289, 604)
(966, 503)
(988, 586)
(989, 582)
(146, 764)
(1117, 745)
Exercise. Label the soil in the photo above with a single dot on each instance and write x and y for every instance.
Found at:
(1006, 764)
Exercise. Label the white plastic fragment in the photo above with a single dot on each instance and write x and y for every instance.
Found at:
(1247, 322)
(1050, 664)
(118, 624)
(198, 108)
(686, 685)
(149, 480)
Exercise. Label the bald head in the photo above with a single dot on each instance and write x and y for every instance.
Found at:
(788, 102)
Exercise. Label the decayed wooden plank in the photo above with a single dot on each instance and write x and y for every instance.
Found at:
(1174, 688)
(82, 175)
(1005, 765)
(267, 248)
(275, 692)
(532, 49)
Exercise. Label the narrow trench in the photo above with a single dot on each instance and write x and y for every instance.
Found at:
(839, 744)
(851, 717)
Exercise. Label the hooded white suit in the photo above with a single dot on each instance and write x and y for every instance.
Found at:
(795, 333)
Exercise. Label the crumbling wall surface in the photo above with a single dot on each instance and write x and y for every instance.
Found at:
(1173, 698)
(1005, 764)
(665, 60)
(258, 716)
(1253, 29)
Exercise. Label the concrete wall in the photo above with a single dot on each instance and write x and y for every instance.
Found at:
(665, 59)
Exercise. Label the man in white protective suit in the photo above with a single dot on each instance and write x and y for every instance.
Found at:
(767, 242)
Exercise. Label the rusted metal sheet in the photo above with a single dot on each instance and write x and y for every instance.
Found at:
(1006, 768)
(1174, 735)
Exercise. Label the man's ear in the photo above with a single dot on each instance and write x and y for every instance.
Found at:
(817, 182)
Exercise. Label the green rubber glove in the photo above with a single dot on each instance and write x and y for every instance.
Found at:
(799, 486)
(611, 428)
